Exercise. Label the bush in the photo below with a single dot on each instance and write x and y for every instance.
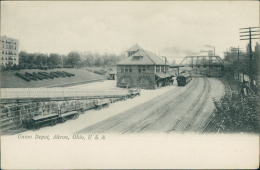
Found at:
(44, 67)
(239, 114)
(32, 66)
(67, 66)
(15, 67)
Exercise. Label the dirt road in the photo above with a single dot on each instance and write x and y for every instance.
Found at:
(182, 109)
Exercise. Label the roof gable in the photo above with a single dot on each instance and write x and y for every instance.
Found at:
(134, 48)
(147, 58)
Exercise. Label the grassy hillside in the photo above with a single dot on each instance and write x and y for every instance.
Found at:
(10, 80)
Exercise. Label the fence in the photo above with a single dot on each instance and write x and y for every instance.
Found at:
(243, 79)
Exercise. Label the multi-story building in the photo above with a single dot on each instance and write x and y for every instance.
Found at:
(142, 69)
(9, 51)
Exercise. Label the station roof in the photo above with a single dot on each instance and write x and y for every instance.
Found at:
(112, 72)
(163, 75)
(142, 57)
(136, 47)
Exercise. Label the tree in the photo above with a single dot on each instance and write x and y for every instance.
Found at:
(8, 66)
(110, 64)
(38, 61)
(65, 60)
(23, 57)
(100, 61)
(31, 58)
(73, 58)
(55, 59)
(49, 64)
(15, 67)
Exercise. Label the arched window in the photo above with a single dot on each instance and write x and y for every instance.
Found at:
(143, 80)
(125, 80)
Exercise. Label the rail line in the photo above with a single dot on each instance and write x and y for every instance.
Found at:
(191, 108)
(160, 110)
(159, 114)
(187, 128)
(228, 92)
(114, 121)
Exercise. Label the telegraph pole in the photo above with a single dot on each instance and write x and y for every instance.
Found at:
(238, 50)
(238, 70)
(251, 36)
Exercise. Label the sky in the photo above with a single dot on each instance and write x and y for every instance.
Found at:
(167, 28)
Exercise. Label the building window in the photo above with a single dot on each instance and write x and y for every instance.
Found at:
(139, 69)
(15, 48)
(3, 52)
(126, 68)
(3, 46)
(3, 58)
(158, 69)
(122, 69)
(130, 69)
(144, 68)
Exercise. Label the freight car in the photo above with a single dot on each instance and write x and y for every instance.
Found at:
(183, 79)
(36, 123)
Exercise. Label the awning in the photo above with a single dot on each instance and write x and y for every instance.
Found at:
(163, 75)
(112, 72)
(172, 73)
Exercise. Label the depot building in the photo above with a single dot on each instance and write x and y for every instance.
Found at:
(143, 69)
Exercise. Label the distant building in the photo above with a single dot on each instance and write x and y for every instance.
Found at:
(142, 69)
(9, 51)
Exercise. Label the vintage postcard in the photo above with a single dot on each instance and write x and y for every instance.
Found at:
(129, 84)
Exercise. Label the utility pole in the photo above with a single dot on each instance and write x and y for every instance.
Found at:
(251, 36)
(165, 58)
(165, 65)
(238, 70)
(238, 50)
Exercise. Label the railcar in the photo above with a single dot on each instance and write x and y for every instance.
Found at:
(183, 79)
(52, 119)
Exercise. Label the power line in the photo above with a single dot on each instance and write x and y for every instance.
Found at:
(250, 47)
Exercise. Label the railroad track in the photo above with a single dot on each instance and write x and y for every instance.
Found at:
(191, 109)
(160, 113)
(118, 120)
(200, 107)
(228, 92)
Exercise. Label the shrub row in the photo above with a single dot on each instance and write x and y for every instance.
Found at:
(43, 75)
(22, 77)
(34, 76)
(46, 74)
(68, 73)
(101, 72)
